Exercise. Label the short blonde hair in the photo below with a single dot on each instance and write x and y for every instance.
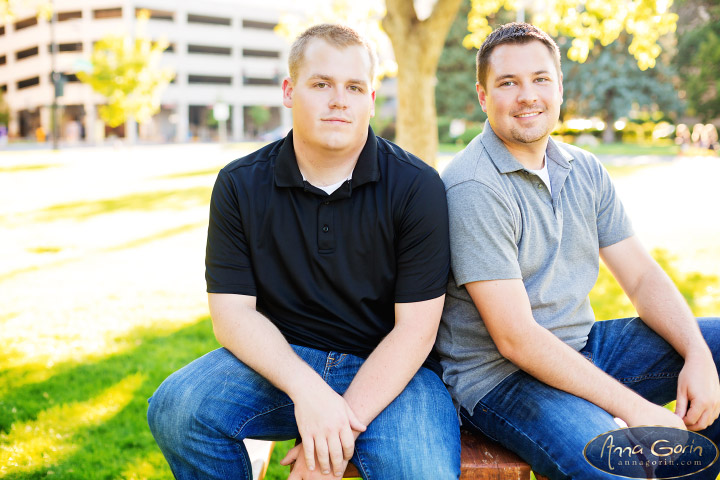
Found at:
(336, 35)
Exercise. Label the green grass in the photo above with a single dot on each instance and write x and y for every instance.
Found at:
(87, 420)
(633, 149)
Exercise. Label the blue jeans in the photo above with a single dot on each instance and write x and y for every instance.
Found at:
(201, 413)
(549, 428)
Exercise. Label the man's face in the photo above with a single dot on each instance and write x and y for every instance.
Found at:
(523, 94)
(332, 97)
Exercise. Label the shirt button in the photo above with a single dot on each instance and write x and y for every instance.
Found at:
(326, 203)
(540, 186)
(325, 228)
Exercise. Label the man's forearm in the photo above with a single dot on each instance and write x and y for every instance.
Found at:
(662, 307)
(551, 361)
(394, 362)
(254, 340)
(385, 374)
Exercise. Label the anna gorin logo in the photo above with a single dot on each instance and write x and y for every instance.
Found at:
(651, 452)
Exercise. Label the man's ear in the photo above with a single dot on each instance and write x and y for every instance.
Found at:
(287, 88)
(372, 110)
(481, 95)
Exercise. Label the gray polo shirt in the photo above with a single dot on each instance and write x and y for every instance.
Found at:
(504, 224)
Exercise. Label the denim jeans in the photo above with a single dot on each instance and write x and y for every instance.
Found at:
(549, 428)
(201, 413)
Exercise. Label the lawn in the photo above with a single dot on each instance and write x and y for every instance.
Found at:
(101, 269)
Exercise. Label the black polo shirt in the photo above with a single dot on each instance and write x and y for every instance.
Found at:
(328, 269)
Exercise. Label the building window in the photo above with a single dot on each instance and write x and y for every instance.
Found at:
(170, 48)
(28, 22)
(3, 59)
(3, 88)
(67, 47)
(107, 13)
(260, 53)
(2, 30)
(28, 82)
(209, 79)
(66, 77)
(65, 16)
(205, 19)
(258, 25)
(157, 14)
(209, 50)
(28, 52)
(260, 81)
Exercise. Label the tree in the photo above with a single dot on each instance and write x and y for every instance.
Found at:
(11, 9)
(126, 71)
(456, 70)
(698, 57)
(417, 44)
(610, 84)
(4, 111)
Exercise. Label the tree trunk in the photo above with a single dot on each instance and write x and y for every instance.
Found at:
(417, 46)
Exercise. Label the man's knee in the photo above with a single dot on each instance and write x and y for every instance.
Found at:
(165, 416)
(418, 435)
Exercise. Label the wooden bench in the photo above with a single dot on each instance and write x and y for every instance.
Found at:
(481, 459)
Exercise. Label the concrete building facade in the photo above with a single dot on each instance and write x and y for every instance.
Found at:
(223, 52)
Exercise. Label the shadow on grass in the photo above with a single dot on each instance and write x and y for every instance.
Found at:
(119, 444)
(143, 201)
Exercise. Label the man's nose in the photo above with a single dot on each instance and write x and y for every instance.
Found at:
(339, 98)
(527, 94)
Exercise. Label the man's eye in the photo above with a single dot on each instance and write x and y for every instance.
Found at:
(354, 88)
(507, 84)
(321, 85)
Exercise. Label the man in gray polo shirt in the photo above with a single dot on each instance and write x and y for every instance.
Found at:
(529, 219)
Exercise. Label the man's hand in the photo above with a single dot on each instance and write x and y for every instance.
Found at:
(326, 423)
(698, 385)
(300, 469)
(653, 415)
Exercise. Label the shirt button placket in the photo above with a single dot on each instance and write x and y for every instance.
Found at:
(326, 234)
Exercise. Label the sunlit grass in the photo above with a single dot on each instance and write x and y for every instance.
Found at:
(48, 439)
(25, 168)
(144, 201)
(701, 291)
(196, 173)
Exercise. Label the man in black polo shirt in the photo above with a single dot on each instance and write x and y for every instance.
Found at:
(326, 267)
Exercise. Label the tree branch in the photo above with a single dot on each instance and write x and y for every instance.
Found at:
(443, 14)
(400, 17)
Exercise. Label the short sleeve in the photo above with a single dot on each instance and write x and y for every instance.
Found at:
(228, 268)
(423, 254)
(613, 223)
(482, 234)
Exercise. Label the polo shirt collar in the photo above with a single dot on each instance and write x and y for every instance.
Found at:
(505, 162)
(287, 172)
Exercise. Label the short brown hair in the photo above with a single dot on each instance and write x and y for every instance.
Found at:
(513, 33)
(336, 35)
